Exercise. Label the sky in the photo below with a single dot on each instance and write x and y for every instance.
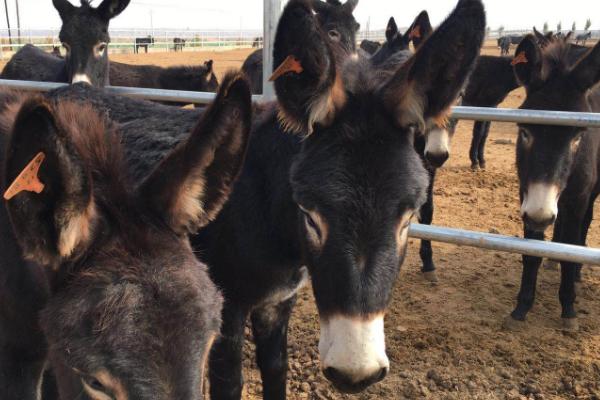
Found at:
(247, 14)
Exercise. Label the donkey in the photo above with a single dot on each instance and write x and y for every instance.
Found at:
(370, 47)
(491, 81)
(397, 42)
(335, 18)
(143, 42)
(194, 78)
(84, 35)
(336, 197)
(97, 246)
(178, 44)
(583, 38)
(504, 45)
(558, 167)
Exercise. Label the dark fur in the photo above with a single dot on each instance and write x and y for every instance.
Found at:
(178, 44)
(335, 18)
(370, 46)
(396, 41)
(83, 29)
(199, 78)
(545, 154)
(258, 244)
(143, 42)
(132, 297)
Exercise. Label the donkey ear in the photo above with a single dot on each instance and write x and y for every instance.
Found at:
(320, 6)
(424, 87)
(64, 8)
(420, 29)
(392, 30)
(190, 186)
(568, 36)
(528, 62)
(586, 72)
(55, 223)
(350, 5)
(208, 65)
(309, 91)
(109, 9)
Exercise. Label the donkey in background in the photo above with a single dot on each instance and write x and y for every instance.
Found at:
(335, 18)
(558, 167)
(583, 38)
(84, 35)
(336, 197)
(98, 276)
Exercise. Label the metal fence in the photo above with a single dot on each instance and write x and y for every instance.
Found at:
(482, 240)
(272, 10)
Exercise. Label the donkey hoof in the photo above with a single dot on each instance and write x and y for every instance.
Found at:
(570, 324)
(474, 166)
(482, 166)
(431, 276)
(513, 325)
(551, 265)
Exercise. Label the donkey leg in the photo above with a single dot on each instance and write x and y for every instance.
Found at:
(482, 141)
(225, 362)
(426, 217)
(526, 296)
(270, 327)
(587, 220)
(474, 150)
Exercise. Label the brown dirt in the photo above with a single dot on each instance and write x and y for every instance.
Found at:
(445, 341)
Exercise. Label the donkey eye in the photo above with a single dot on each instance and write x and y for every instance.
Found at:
(525, 136)
(310, 222)
(95, 388)
(101, 48)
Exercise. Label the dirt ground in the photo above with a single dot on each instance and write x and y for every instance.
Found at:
(445, 340)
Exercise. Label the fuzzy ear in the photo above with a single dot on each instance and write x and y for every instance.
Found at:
(420, 29)
(208, 65)
(350, 5)
(568, 36)
(528, 62)
(392, 30)
(56, 223)
(311, 92)
(190, 186)
(64, 8)
(586, 73)
(109, 9)
(320, 6)
(422, 89)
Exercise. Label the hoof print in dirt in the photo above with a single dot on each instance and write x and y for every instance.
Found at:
(511, 324)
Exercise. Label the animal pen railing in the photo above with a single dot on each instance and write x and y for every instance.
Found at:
(558, 251)
(459, 237)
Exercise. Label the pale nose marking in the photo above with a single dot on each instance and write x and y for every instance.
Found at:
(81, 78)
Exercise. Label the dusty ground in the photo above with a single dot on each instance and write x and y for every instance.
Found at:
(445, 341)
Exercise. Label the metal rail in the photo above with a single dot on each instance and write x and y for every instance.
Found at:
(556, 251)
(470, 113)
(509, 244)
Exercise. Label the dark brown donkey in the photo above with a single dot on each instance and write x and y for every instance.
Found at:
(84, 35)
(337, 197)
(558, 167)
(98, 276)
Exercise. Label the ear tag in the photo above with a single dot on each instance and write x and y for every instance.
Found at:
(28, 180)
(521, 58)
(415, 33)
(290, 64)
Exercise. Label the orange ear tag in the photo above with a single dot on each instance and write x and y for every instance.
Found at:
(415, 33)
(290, 64)
(27, 181)
(521, 58)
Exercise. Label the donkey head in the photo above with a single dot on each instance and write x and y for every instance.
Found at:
(337, 20)
(545, 154)
(84, 34)
(133, 312)
(397, 42)
(358, 179)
